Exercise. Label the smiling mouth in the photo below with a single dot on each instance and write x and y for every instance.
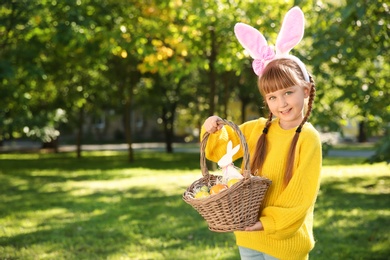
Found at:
(285, 111)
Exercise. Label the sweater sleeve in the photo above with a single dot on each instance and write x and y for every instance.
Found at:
(287, 214)
(217, 142)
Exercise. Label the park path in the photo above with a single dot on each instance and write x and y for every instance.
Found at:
(177, 147)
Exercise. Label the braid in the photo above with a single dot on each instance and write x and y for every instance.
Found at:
(268, 123)
(259, 155)
(291, 154)
(312, 95)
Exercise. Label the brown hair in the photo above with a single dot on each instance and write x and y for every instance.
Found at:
(280, 74)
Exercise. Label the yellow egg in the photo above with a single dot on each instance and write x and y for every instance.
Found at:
(201, 194)
(231, 182)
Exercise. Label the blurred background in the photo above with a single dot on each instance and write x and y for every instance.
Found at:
(112, 71)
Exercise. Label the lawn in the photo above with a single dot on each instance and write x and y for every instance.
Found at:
(53, 206)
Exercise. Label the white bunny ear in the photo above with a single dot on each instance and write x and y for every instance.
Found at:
(250, 38)
(291, 32)
(235, 149)
(229, 147)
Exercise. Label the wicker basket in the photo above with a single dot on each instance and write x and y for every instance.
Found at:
(232, 209)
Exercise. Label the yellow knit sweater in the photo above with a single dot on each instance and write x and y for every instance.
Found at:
(287, 213)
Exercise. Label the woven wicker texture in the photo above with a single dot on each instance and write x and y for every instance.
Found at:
(236, 207)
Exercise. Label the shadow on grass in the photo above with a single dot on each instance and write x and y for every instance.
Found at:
(334, 193)
(353, 223)
(140, 220)
(53, 218)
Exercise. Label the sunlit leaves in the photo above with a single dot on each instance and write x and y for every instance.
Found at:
(111, 47)
(348, 54)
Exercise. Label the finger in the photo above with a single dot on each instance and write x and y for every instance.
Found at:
(220, 124)
(249, 229)
(256, 227)
(215, 128)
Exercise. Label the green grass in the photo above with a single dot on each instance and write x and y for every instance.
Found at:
(53, 206)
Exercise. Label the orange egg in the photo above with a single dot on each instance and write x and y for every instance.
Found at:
(217, 188)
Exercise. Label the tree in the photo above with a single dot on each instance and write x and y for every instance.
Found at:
(51, 50)
(21, 74)
(75, 61)
(167, 64)
(125, 40)
(78, 58)
(350, 57)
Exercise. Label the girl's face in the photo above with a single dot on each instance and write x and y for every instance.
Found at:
(288, 105)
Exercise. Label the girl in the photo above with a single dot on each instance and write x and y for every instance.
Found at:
(284, 147)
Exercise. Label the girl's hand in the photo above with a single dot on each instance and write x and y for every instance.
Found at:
(213, 124)
(256, 227)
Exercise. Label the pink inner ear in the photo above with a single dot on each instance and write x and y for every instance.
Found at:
(291, 32)
(250, 38)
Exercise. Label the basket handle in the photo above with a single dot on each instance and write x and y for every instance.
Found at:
(244, 145)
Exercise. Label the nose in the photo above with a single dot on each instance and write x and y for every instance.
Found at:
(282, 102)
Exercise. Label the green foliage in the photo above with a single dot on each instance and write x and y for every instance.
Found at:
(382, 151)
(326, 146)
(45, 45)
(350, 60)
(180, 61)
(55, 207)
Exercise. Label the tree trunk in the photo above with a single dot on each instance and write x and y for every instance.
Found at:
(362, 137)
(168, 139)
(124, 73)
(168, 119)
(80, 131)
(128, 132)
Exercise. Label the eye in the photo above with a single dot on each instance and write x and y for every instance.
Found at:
(271, 98)
(288, 93)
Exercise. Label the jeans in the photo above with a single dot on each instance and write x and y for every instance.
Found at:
(250, 254)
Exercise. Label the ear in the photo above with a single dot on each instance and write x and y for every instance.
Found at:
(250, 38)
(291, 32)
(235, 149)
(229, 146)
(306, 90)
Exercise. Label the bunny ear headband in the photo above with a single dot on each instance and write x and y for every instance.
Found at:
(289, 36)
